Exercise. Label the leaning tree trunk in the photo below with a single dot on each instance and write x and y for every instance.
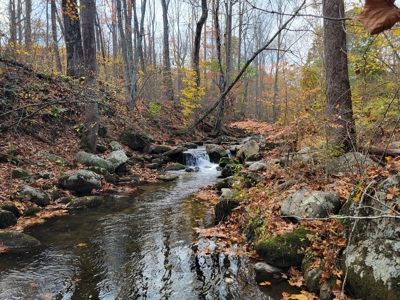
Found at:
(341, 130)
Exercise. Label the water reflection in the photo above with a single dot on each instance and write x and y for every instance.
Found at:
(134, 247)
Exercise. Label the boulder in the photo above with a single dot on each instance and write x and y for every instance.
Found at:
(31, 211)
(135, 141)
(89, 160)
(85, 202)
(224, 183)
(312, 204)
(101, 148)
(117, 158)
(283, 251)
(167, 177)
(174, 167)
(257, 166)
(108, 177)
(115, 146)
(11, 207)
(15, 240)
(190, 145)
(353, 162)
(215, 152)
(7, 218)
(251, 179)
(249, 150)
(54, 158)
(373, 269)
(224, 207)
(175, 153)
(36, 196)
(158, 149)
(82, 181)
(19, 173)
(230, 170)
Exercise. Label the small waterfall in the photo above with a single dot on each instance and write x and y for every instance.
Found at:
(196, 158)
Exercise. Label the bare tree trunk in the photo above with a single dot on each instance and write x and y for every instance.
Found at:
(13, 23)
(19, 22)
(114, 37)
(28, 27)
(53, 13)
(167, 76)
(197, 39)
(89, 139)
(222, 81)
(341, 131)
(136, 59)
(124, 53)
(73, 39)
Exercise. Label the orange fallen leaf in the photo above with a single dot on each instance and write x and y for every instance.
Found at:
(392, 192)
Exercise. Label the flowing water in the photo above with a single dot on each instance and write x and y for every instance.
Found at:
(136, 246)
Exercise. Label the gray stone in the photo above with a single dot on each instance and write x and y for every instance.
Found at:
(54, 158)
(224, 183)
(82, 181)
(32, 211)
(313, 204)
(115, 146)
(158, 149)
(19, 173)
(249, 149)
(353, 162)
(101, 148)
(262, 267)
(227, 193)
(36, 196)
(257, 166)
(374, 269)
(135, 141)
(117, 158)
(167, 177)
(215, 152)
(89, 160)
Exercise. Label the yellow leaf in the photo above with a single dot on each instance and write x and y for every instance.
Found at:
(388, 158)
(265, 283)
(298, 297)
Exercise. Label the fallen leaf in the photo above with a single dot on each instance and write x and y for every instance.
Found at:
(265, 283)
(392, 192)
(81, 245)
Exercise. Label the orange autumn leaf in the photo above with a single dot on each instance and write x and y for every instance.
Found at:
(392, 192)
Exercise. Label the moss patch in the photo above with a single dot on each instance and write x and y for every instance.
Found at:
(283, 251)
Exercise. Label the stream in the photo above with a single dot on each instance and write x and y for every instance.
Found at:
(137, 246)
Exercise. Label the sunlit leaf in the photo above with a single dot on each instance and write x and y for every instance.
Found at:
(265, 283)
(81, 245)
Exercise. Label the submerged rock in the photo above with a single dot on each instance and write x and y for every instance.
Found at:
(84, 202)
(15, 240)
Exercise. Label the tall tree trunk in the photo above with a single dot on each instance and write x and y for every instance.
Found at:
(167, 76)
(136, 58)
(114, 37)
(73, 39)
(124, 52)
(222, 81)
(28, 27)
(13, 24)
(53, 13)
(89, 139)
(341, 131)
(19, 22)
(197, 39)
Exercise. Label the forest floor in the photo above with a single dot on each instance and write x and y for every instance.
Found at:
(42, 114)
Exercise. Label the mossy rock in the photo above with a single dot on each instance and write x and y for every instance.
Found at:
(11, 207)
(167, 177)
(88, 201)
(224, 207)
(283, 251)
(7, 218)
(14, 239)
(31, 211)
(175, 167)
(223, 161)
(19, 173)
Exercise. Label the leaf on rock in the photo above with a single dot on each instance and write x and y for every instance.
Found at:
(265, 283)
